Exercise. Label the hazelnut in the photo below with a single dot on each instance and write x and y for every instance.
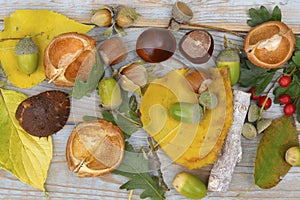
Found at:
(156, 45)
(68, 56)
(102, 17)
(113, 51)
(270, 44)
(95, 148)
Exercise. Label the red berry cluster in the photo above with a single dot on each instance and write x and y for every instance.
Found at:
(285, 99)
(261, 99)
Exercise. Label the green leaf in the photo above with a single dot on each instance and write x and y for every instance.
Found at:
(127, 127)
(261, 15)
(252, 75)
(27, 157)
(297, 46)
(296, 58)
(83, 88)
(133, 104)
(89, 118)
(270, 164)
(276, 14)
(263, 82)
(298, 109)
(108, 116)
(136, 167)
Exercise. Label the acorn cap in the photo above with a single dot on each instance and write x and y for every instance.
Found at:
(181, 12)
(228, 55)
(263, 124)
(44, 114)
(26, 46)
(249, 131)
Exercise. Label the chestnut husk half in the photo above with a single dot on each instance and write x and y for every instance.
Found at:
(95, 148)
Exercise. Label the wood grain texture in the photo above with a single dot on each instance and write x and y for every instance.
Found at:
(63, 184)
(229, 14)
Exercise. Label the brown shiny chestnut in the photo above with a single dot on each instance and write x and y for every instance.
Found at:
(197, 46)
(156, 45)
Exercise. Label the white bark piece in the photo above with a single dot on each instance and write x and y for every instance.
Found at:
(222, 171)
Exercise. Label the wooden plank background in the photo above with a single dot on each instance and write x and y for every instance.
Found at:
(63, 184)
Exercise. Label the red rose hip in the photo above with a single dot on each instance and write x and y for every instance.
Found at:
(285, 99)
(289, 109)
(253, 96)
(284, 81)
(262, 100)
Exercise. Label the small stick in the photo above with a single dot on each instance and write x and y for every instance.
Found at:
(215, 28)
(160, 175)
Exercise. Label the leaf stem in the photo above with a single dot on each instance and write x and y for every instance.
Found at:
(5, 39)
(269, 90)
(215, 28)
(160, 175)
(130, 194)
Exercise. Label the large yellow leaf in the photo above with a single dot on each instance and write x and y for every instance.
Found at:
(31, 22)
(192, 145)
(26, 156)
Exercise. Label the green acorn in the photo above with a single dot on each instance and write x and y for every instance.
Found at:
(26, 52)
(110, 93)
(229, 58)
(189, 185)
(292, 156)
(187, 112)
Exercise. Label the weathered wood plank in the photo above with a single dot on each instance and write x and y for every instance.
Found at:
(227, 14)
(63, 184)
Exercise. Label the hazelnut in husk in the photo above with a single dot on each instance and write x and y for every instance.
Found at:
(126, 17)
(156, 45)
(132, 76)
(44, 114)
(113, 51)
(197, 46)
(102, 17)
(69, 56)
(95, 148)
(198, 79)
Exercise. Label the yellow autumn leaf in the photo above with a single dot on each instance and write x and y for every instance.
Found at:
(192, 145)
(26, 156)
(32, 22)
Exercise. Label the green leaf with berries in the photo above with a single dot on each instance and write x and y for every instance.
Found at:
(293, 90)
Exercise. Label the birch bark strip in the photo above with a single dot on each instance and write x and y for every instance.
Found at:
(222, 171)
